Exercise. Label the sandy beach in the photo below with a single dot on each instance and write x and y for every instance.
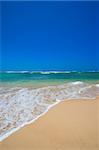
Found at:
(70, 125)
(49, 75)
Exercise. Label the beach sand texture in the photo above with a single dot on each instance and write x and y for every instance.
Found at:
(70, 125)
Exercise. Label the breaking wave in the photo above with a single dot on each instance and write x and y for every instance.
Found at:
(40, 72)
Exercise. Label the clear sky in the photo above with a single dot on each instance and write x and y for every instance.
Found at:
(50, 35)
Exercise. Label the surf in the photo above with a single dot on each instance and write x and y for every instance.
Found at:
(20, 106)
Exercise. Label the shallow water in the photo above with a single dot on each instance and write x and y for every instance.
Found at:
(21, 103)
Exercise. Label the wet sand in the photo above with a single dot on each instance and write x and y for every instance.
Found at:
(70, 125)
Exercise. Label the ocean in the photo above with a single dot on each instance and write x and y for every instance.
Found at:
(27, 95)
(45, 78)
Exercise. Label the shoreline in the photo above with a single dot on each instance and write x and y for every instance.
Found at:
(32, 121)
(43, 117)
(70, 98)
(14, 130)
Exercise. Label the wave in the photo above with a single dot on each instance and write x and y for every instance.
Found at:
(47, 72)
(16, 72)
(53, 72)
(40, 72)
(17, 103)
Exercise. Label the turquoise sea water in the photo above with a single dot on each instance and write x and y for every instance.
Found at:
(39, 79)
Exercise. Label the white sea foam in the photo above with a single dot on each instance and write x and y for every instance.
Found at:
(45, 72)
(97, 85)
(77, 82)
(41, 72)
(21, 106)
(16, 72)
(54, 72)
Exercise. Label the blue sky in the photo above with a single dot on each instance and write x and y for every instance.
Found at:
(50, 35)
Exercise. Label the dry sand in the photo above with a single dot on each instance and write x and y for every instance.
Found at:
(70, 125)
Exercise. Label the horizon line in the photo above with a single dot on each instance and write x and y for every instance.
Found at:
(26, 71)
